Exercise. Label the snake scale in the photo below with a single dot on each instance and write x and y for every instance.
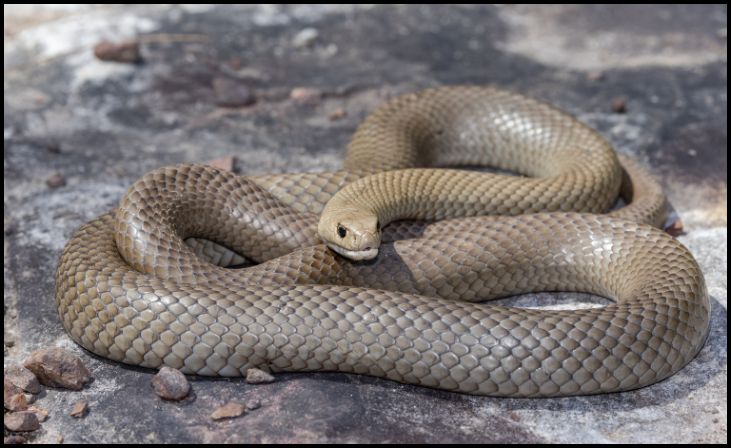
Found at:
(129, 288)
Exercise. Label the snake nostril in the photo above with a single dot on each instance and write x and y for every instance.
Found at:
(367, 248)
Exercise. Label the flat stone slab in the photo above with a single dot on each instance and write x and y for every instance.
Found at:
(263, 83)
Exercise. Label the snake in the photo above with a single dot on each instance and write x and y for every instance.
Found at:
(386, 267)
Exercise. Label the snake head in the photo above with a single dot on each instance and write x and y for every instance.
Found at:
(352, 233)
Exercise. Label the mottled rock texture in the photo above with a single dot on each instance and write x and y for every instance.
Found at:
(95, 126)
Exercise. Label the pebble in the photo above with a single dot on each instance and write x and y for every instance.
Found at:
(170, 384)
(337, 114)
(21, 421)
(253, 404)
(23, 378)
(41, 413)
(57, 367)
(229, 410)
(128, 52)
(676, 228)
(56, 181)
(305, 95)
(222, 163)
(305, 37)
(231, 93)
(10, 391)
(17, 402)
(256, 376)
(79, 409)
(595, 76)
(14, 439)
(619, 106)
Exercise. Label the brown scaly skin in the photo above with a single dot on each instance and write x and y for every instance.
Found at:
(129, 289)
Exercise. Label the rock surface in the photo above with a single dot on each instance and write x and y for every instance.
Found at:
(101, 125)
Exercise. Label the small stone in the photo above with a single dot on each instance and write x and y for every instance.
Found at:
(128, 52)
(14, 439)
(305, 95)
(256, 376)
(675, 228)
(57, 367)
(10, 390)
(253, 404)
(619, 106)
(41, 413)
(17, 402)
(79, 409)
(595, 76)
(232, 93)
(304, 38)
(222, 163)
(23, 378)
(170, 384)
(337, 114)
(229, 410)
(56, 181)
(21, 421)
(53, 146)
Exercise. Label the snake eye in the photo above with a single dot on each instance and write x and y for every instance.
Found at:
(378, 226)
(341, 231)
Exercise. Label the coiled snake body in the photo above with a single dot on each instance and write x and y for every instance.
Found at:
(129, 289)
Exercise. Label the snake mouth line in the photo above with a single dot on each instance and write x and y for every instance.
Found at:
(355, 254)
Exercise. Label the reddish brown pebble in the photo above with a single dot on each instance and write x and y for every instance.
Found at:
(21, 421)
(223, 163)
(41, 413)
(595, 76)
(231, 93)
(23, 378)
(676, 228)
(619, 106)
(337, 114)
(17, 402)
(170, 384)
(79, 409)
(229, 410)
(14, 439)
(10, 390)
(56, 181)
(56, 367)
(128, 52)
(256, 376)
(305, 95)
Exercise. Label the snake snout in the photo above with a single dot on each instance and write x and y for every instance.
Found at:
(352, 233)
